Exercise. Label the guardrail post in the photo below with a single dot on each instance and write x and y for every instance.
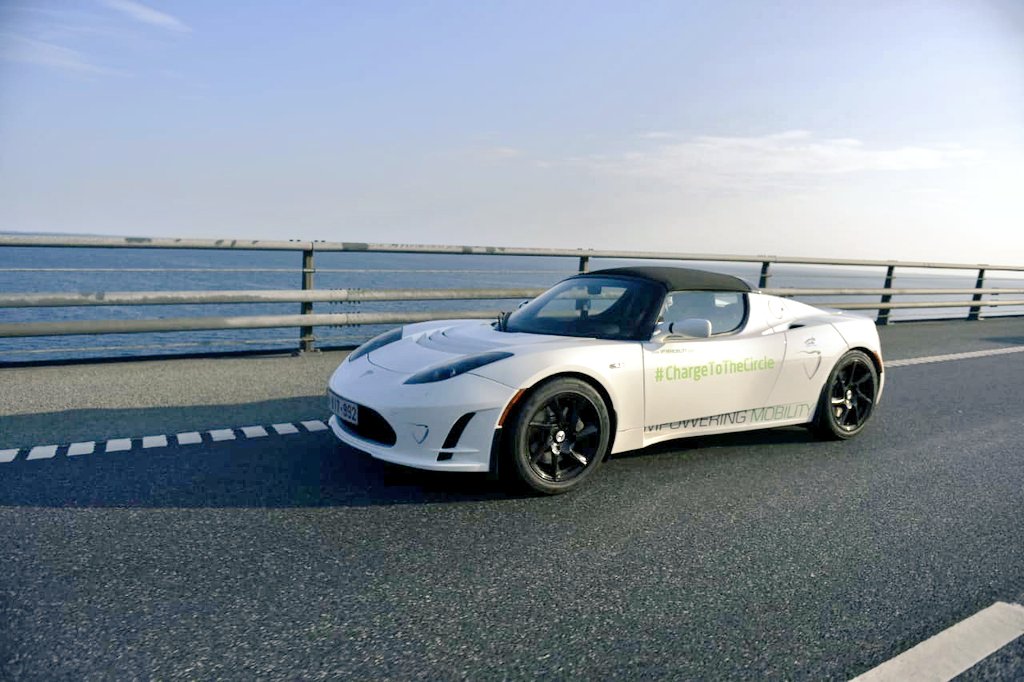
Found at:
(762, 281)
(975, 312)
(883, 313)
(584, 264)
(307, 341)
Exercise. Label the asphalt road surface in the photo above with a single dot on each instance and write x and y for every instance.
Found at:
(765, 555)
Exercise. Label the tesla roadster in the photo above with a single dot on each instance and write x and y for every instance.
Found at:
(601, 363)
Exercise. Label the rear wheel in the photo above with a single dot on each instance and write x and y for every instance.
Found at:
(848, 398)
(559, 437)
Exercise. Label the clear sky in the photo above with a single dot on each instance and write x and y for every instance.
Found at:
(887, 129)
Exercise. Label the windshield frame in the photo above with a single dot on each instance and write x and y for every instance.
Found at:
(642, 296)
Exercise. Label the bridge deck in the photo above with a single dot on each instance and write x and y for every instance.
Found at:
(764, 555)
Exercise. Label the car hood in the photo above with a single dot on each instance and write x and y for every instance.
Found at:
(425, 346)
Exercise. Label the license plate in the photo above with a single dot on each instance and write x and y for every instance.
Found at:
(345, 409)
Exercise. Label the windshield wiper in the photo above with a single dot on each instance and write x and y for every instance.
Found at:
(502, 323)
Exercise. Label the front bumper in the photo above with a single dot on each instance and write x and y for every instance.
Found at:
(423, 416)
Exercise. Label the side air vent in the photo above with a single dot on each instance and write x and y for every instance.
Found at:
(453, 436)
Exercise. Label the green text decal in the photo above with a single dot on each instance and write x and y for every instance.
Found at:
(712, 369)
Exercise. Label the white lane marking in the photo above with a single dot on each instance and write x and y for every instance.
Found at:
(954, 356)
(119, 444)
(955, 649)
(86, 448)
(42, 452)
(254, 431)
(189, 438)
(161, 441)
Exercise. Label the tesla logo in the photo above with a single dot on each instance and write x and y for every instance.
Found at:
(812, 363)
(366, 373)
(419, 432)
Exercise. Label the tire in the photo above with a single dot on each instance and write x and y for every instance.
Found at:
(848, 397)
(558, 438)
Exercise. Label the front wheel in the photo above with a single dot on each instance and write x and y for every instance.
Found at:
(848, 398)
(559, 437)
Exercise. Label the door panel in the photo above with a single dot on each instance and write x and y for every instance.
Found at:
(691, 378)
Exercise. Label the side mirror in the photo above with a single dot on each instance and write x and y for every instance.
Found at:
(692, 328)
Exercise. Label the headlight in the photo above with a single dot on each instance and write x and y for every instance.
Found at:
(454, 369)
(375, 343)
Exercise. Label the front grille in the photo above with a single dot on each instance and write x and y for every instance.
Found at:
(371, 426)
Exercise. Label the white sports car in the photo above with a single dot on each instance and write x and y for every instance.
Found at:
(604, 362)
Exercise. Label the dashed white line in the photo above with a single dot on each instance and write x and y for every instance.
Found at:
(86, 448)
(955, 649)
(42, 452)
(161, 441)
(119, 445)
(189, 438)
(954, 356)
(254, 431)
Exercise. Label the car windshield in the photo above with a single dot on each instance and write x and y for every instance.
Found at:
(597, 307)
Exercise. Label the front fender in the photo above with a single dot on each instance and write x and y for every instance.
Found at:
(617, 368)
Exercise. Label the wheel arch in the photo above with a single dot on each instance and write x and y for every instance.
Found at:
(823, 425)
(524, 393)
(606, 396)
(876, 358)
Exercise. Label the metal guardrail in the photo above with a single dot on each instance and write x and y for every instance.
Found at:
(54, 300)
(192, 324)
(307, 295)
(100, 298)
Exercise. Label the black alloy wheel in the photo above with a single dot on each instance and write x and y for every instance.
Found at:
(849, 396)
(559, 437)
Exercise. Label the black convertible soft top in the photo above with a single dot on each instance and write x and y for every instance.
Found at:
(677, 279)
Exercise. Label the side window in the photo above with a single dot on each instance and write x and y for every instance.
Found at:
(726, 310)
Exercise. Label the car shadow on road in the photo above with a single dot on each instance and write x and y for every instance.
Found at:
(1007, 340)
(295, 470)
(305, 469)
